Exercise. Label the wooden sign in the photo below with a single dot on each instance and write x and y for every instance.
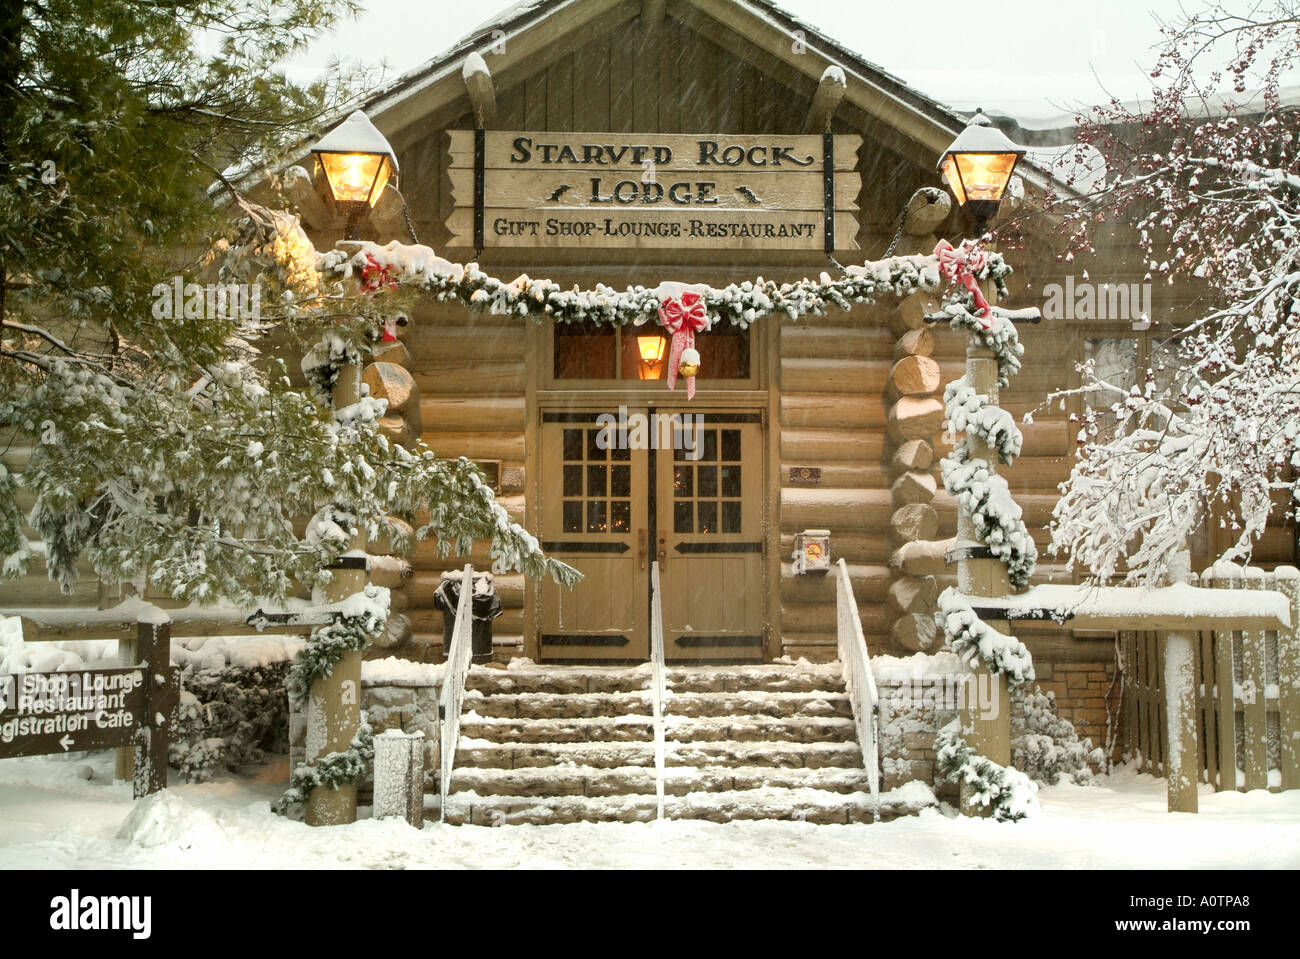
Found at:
(43, 713)
(618, 190)
(133, 706)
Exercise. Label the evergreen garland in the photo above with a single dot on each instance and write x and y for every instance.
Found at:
(1005, 790)
(738, 305)
(360, 622)
(331, 771)
(995, 514)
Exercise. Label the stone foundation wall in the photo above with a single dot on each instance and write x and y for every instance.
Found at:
(1081, 693)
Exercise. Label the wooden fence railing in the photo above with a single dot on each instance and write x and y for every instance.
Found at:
(1247, 685)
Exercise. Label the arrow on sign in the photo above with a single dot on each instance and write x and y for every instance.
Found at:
(66, 741)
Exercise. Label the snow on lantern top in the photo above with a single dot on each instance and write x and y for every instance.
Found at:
(357, 162)
(978, 165)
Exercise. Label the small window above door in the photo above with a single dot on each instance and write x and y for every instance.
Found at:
(591, 352)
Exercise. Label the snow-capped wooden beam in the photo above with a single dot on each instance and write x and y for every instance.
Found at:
(830, 92)
(652, 14)
(482, 92)
(1163, 609)
(300, 191)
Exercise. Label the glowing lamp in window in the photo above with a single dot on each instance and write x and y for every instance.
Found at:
(651, 349)
(357, 163)
(978, 167)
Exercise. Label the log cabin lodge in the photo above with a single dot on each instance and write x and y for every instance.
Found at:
(826, 423)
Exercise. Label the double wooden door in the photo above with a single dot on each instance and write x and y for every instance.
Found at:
(618, 493)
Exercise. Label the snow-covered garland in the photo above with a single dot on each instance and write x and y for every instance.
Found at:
(737, 304)
(975, 641)
(984, 495)
(331, 771)
(1005, 790)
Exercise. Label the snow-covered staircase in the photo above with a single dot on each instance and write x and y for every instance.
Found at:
(566, 744)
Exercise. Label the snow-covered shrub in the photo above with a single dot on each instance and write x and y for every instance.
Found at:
(1045, 745)
(229, 717)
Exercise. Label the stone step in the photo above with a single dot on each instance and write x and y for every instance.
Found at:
(679, 703)
(557, 706)
(479, 753)
(627, 780)
(770, 679)
(568, 680)
(640, 728)
(563, 680)
(797, 804)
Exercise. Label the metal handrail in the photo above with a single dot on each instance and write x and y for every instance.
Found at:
(453, 687)
(658, 683)
(858, 679)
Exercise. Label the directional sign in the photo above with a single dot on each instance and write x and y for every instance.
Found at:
(43, 713)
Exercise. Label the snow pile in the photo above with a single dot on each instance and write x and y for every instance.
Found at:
(19, 657)
(164, 819)
(395, 671)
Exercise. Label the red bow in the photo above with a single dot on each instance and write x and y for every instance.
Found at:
(683, 317)
(374, 275)
(960, 266)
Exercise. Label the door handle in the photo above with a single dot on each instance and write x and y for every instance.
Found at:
(663, 552)
(641, 548)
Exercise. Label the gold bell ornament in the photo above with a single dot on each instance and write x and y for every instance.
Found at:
(689, 363)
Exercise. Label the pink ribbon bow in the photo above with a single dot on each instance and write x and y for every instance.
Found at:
(960, 266)
(682, 317)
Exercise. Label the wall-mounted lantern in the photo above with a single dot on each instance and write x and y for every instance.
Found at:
(357, 163)
(650, 349)
(978, 167)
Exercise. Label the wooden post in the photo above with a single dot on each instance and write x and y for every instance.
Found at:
(1182, 751)
(1254, 705)
(153, 649)
(334, 702)
(124, 759)
(988, 697)
(1287, 579)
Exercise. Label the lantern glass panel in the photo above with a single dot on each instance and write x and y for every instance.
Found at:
(356, 177)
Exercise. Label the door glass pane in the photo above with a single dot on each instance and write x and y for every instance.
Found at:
(596, 516)
(682, 518)
(708, 516)
(572, 480)
(707, 480)
(731, 481)
(731, 445)
(731, 516)
(620, 481)
(683, 481)
(620, 513)
(710, 445)
(573, 444)
(594, 452)
(596, 481)
(573, 516)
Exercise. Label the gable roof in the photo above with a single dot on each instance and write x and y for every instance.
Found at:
(529, 27)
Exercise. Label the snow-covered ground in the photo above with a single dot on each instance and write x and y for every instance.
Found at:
(65, 814)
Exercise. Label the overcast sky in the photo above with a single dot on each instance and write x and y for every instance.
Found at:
(1022, 57)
